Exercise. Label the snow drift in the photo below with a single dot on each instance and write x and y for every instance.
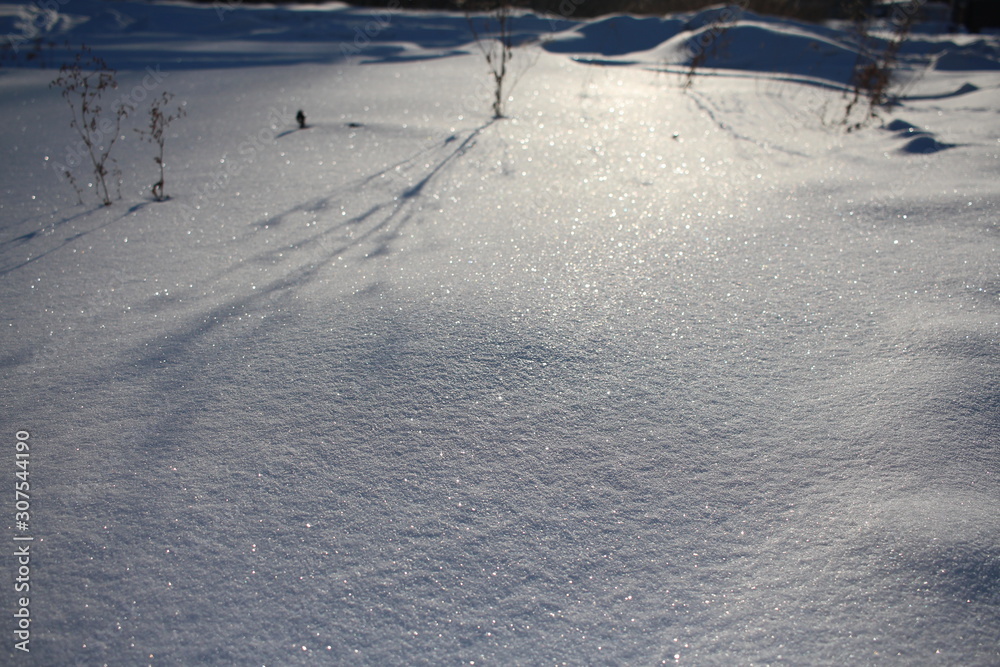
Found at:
(634, 376)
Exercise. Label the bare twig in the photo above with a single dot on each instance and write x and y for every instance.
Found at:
(872, 78)
(497, 49)
(156, 133)
(83, 83)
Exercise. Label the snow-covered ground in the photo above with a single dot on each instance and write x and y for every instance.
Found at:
(636, 375)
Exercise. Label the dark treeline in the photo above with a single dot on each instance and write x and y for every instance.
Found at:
(803, 9)
(974, 14)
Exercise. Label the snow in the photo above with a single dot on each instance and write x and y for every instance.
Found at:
(636, 375)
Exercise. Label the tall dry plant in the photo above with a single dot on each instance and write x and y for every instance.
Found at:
(874, 68)
(156, 134)
(495, 40)
(83, 84)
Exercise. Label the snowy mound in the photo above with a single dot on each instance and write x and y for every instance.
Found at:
(30, 21)
(616, 35)
(730, 38)
(762, 47)
(718, 15)
(979, 55)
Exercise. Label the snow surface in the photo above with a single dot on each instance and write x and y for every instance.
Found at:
(637, 375)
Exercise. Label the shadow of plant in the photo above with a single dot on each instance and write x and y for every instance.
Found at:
(32, 236)
(379, 224)
(371, 231)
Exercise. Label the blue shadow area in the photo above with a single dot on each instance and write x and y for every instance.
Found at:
(133, 35)
(618, 35)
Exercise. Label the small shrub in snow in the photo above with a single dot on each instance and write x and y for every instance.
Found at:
(497, 48)
(84, 83)
(872, 78)
(156, 133)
